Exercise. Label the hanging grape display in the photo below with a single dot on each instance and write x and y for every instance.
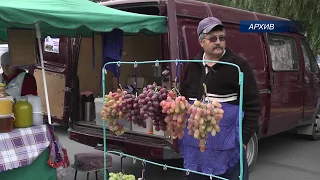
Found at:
(169, 111)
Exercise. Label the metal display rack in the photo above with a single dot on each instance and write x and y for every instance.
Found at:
(165, 167)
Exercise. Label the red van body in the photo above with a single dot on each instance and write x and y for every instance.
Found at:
(285, 69)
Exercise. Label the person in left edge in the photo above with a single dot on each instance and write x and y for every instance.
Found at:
(18, 81)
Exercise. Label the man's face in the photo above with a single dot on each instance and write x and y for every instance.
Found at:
(7, 70)
(214, 43)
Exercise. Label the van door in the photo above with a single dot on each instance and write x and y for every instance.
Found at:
(57, 65)
(285, 83)
(311, 81)
(173, 32)
(174, 53)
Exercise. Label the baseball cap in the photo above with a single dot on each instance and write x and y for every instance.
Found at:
(207, 24)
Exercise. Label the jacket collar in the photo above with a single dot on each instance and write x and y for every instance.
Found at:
(227, 57)
(8, 80)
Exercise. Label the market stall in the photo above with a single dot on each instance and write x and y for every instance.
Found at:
(62, 18)
(33, 147)
(201, 122)
(25, 151)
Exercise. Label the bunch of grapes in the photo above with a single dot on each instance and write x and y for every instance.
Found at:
(127, 103)
(131, 109)
(204, 119)
(135, 116)
(160, 123)
(111, 111)
(175, 109)
(121, 176)
(149, 104)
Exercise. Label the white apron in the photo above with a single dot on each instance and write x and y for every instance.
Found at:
(15, 85)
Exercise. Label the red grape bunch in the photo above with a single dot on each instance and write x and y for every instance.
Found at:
(131, 109)
(127, 103)
(149, 103)
(111, 111)
(204, 119)
(134, 114)
(176, 111)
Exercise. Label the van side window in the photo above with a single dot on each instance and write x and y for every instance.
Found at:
(283, 52)
(309, 60)
(255, 54)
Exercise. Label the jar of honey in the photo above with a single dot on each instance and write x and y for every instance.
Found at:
(6, 105)
(3, 93)
(23, 113)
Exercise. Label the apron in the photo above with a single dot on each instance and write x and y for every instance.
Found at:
(14, 87)
(222, 151)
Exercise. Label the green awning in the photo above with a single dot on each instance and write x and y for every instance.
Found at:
(74, 17)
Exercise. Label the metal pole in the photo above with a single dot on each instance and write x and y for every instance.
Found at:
(104, 128)
(38, 35)
(240, 123)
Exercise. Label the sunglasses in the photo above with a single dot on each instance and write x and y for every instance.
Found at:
(215, 38)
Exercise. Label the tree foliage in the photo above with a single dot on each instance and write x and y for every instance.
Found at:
(307, 12)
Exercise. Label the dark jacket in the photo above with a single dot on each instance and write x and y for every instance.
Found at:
(222, 81)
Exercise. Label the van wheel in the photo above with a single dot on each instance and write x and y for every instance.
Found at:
(316, 129)
(252, 151)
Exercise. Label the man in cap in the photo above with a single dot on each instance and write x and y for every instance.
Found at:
(18, 81)
(221, 156)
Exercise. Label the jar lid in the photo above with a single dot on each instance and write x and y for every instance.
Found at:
(7, 98)
(21, 98)
(6, 116)
(2, 85)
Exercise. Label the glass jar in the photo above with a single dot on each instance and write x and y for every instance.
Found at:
(3, 93)
(23, 113)
(6, 105)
